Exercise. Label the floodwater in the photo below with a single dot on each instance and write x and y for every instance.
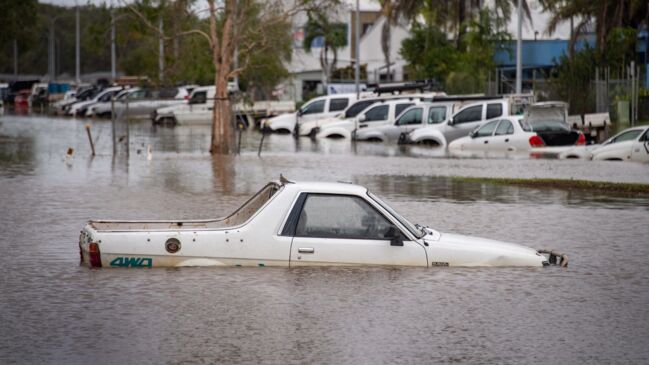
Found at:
(54, 311)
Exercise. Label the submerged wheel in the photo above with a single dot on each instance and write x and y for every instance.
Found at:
(429, 143)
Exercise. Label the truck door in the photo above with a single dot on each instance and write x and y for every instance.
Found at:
(346, 230)
(464, 122)
(409, 120)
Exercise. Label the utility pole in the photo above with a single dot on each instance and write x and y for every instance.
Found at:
(519, 51)
(78, 49)
(51, 51)
(113, 72)
(357, 68)
(161, 51)
(15, 59)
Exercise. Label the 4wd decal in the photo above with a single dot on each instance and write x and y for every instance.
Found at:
(132, 262)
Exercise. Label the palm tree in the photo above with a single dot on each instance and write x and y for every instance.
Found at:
(606, 14)
(334, 37)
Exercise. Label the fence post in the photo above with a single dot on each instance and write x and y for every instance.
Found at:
(92, 144)
(128, 129)
(112, 117)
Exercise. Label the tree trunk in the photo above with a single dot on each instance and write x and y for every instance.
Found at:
(222, 53)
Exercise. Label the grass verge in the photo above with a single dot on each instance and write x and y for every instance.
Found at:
(610, 187)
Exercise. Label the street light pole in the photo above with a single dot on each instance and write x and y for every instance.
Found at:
(357, 69)
(113, 72)
(15, 59)
(519, 53)
(161, 51)
(78, 49)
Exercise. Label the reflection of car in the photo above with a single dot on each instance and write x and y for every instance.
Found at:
(518, 134)
(378, 113)
(413, 118)
(297, 224)
(629, 145)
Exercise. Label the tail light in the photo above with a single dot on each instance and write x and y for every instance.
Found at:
(93, 253)
(581, 140)
(536, 141)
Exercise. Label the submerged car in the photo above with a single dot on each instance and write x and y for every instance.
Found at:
(298, 224)
(629, 145)
(516, 134)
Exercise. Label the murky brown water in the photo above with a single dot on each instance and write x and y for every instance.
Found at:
(54, 311)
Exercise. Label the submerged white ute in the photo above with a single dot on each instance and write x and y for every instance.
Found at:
(298, 224)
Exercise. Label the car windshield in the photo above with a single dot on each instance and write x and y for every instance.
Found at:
(419, 233)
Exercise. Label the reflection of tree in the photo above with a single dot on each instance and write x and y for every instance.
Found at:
(17, 155)
(223, 171)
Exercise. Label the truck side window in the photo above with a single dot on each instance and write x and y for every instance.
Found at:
(401, 107)
(314, 107)
(436, 114)
(494, 110)
(377, 113)
(468, 115)
(199, 97)
(340, 216)
(338, 104)
(412, 116)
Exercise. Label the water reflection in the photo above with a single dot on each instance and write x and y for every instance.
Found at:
(440, 188)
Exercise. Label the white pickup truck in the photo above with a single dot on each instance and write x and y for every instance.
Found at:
(200, 104)
(298, 224)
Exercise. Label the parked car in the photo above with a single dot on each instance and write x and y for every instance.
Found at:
(317, 108)
(81, 94)
(518, 134)
(298, 224)
(415, 117)
(466, 119)
(631, 144)
(80, 108)
(103, 109)
(379, 113)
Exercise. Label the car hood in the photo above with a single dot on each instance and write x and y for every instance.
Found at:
(459, 250)
(282, 118)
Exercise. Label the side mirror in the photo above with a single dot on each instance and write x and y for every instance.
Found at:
(450, 121)
(300, 112)
(394, 236)
(472, 134)
(362, 118)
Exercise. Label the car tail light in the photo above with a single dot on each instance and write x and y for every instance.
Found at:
(93, 253)
(581, 140)
(536, 141)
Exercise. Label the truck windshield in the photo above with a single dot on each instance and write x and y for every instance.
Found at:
(411, 227)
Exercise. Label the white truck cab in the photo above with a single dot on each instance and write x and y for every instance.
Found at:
(320, 107)
(379, 113)
(415, 117)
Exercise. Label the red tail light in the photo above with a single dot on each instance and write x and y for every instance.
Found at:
(186, 97)
(95, 256)
(536, 141)
(581, 140)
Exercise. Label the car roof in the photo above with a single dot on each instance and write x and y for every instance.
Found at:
(342, 188)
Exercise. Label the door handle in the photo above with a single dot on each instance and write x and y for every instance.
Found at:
(305, 250)
(506, 139)
(485, 142)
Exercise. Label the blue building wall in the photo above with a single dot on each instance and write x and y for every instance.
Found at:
(541, 53)
(544, 54)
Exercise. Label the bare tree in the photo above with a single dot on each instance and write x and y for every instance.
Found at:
(237, 24)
